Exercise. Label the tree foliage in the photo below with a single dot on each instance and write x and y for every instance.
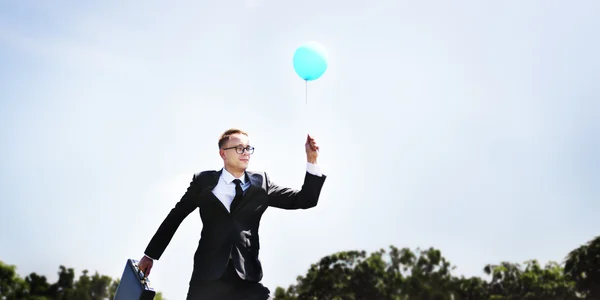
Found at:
(395, 274)
(67, 287)
(402, 274)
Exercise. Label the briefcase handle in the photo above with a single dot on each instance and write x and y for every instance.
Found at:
(141, 275)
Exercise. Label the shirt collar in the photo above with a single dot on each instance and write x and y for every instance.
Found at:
(229, 178)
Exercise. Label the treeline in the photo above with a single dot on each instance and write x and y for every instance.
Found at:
(397, 274)
(402, 274)
(67, 287)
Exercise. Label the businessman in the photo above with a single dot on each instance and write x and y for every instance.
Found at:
(231, 202)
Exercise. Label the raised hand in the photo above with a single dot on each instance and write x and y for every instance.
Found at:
(312, 149)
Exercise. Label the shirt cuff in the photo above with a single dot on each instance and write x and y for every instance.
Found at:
(313, 169)
(149, 257)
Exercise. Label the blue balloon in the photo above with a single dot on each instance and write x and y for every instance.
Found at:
(310, 61)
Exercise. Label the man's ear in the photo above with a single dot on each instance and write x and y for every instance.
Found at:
(222, 153)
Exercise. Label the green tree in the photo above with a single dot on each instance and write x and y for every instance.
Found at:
(67, 287)
(473, 288)
(583, 266)
(38, 285)
(12, 287)
(510, 282)
(426, 274)
(399, 274)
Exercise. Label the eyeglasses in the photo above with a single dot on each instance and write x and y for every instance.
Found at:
(240, 149)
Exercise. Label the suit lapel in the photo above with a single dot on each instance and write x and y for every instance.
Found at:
(214, 180)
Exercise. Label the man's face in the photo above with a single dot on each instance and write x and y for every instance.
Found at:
(231, 152)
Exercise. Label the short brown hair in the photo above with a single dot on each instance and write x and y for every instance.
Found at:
(225, 136)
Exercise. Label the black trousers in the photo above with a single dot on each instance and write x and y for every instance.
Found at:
(229, 287)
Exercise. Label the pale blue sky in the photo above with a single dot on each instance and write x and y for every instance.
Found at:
(471, 126)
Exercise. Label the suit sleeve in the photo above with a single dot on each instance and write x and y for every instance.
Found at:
(288, 198)
(166, 230)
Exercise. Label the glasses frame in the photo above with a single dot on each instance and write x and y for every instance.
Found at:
(248, 149)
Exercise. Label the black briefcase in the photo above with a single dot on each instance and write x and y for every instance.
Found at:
(134, 284)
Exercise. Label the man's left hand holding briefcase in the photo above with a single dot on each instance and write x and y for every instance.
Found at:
(134, 284)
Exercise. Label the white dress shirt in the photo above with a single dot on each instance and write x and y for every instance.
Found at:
(225, 188)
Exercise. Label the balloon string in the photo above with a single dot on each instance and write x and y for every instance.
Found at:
(306, 102)
(305, 91)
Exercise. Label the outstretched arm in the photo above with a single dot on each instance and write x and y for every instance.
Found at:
(288, 198)
(166, 230)
(308, 195)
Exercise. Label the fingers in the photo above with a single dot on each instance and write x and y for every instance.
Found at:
(311, 142)
(145, 266)
(146, 270)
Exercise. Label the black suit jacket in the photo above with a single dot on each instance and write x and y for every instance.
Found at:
(236, 232)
